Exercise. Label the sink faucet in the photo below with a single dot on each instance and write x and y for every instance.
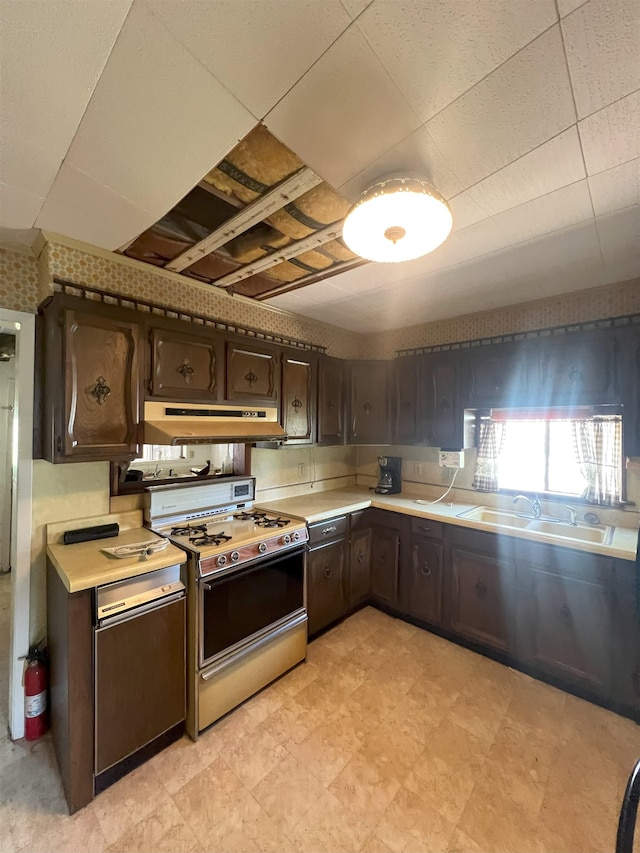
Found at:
(573, 516)
(536, 509)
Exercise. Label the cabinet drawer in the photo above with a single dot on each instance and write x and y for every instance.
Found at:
(427, 527)
(580, 565)
(323, 531)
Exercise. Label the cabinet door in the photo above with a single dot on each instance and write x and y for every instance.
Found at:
(140, 681)
(385, 551)
(359, 566)
(631, 387)
(502, 374)
(443, 410)
(101, 387)
(326, 584)
(481, 598)
(298, 398)
(368, 402)
(579, 368)
(185, 366)
(252, 374)
(566, 627)
(626, 657)
(421, 580)
(331, 401)
(406, 401)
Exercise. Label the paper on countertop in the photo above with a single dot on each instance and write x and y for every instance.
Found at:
(137, 549)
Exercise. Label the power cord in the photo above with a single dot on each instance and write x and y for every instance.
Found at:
(442, 497)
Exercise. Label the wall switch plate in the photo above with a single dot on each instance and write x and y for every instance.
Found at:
(451, 458)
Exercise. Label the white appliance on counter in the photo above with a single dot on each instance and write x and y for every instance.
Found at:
(246, 591)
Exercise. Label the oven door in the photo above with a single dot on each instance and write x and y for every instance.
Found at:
(240, 607)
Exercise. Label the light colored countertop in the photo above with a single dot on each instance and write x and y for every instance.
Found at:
(319, 506)
(84, 565)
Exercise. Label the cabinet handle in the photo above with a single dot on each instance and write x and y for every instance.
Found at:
(251, 378)
(565, 613)
(331, 404)
(327, 573)
(444, 405)
(480, 588)
(426, 570)
(59, 444)
(367, 408)
(296, 403)
(575, 375)
(186, 371)
(425, 528)
(328, 530)
(360, 557)
(101, 390)
(207, 586)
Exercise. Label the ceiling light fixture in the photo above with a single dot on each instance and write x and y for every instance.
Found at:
(397, 219)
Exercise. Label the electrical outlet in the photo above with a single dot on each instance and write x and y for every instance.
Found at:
(451, 458)
(417, 470)
(301, 469)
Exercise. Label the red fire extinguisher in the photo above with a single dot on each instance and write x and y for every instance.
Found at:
(36, 712)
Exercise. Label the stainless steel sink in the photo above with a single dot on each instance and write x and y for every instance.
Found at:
(600, 534)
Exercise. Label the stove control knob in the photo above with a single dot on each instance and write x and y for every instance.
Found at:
(262, 547)
(235, 556)
(286, 539)
(222, 560)
(295, 536)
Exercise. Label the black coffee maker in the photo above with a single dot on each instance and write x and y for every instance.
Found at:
(389, 478)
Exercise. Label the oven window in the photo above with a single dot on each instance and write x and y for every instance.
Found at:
(242, 603)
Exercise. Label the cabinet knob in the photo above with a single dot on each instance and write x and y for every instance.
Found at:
(101, 390)
(426, 570)
(367, 408)
(186, 371)
(327, 573)
(565, 612)
(251, 378)
(296, 403)
(481, 588)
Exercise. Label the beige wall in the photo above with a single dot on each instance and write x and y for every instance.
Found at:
(292, 471)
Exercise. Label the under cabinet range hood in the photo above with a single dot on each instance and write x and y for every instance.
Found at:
(197, 423)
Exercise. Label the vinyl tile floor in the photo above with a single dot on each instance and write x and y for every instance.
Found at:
(387, 739)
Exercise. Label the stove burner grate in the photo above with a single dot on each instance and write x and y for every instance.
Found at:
(188, 529)
(273, 522)
(251, 515)
(210, 539)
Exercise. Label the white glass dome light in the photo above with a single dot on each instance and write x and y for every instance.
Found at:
(397, 220)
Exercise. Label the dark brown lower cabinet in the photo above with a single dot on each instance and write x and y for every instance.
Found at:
(140, 681)
(326, 584)
(359, 566)
(626, 652)
(565, 627)
(421, 580)
(481, 602)
(385, 564)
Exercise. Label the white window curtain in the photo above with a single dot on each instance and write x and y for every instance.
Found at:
(490, 442)
(598, 449)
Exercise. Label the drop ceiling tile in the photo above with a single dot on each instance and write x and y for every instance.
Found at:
(565, 7)
(416, 155)
(552, 212)
(552, 165)
(602, 41)
(515, 109)
(83, 209)
(466, 211)
(344, 113)
(479, 239)
(611, 136)
(152, 128)
(619, 236)
(258, 50)
(616, 188)
(436, 51)
(52, 56)
(18, 208)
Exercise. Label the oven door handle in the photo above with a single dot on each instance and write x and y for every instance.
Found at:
(237, 656)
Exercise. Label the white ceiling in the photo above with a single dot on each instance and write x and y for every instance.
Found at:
(524, 113)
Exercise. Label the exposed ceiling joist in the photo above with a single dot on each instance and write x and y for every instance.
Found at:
(314, 240)
(287, 191)
(321, 275)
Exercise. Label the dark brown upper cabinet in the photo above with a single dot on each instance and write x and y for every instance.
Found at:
(91, 381)
(444, 385)
(579, 368)
(298, 397)
(185, 366)
(406, 398)
(369, 402)
(252, 373)
(503, 374)
(331, 400)
(631, 390)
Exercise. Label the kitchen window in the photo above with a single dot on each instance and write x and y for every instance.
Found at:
(162, 452)
(576, 453)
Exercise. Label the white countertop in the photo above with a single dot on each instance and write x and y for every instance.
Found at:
(319, 506)
(84, 564)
